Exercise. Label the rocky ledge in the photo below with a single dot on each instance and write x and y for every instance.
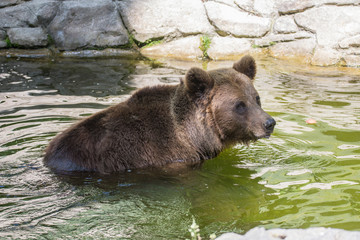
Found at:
(293, 234)
(320, 32)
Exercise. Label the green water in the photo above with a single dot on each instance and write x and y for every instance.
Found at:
(303, 176)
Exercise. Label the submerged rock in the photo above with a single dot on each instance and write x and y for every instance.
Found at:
(318, 233)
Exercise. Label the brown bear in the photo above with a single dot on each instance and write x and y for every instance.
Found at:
(166, 126)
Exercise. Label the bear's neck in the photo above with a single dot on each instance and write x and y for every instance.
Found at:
(194, 124)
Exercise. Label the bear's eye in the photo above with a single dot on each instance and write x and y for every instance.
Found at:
(240, 107)
(258, 100)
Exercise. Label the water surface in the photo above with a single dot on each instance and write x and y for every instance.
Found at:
(303, 176)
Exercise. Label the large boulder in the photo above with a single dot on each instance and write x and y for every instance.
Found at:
(28, 37)
(17, 16)
(331, 23)
(231, 21)
(154, 19)
(81, 24)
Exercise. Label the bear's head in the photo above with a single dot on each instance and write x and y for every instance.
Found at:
(233, 106)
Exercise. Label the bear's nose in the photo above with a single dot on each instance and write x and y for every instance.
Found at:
(270, 124)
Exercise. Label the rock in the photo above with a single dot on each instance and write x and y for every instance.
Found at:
(25, 53)
(154, 19)
(2, 35)
(44, 10)
(233, 3)
(230, 21)
(285, 24)
(3, 44)
(352, 60)
(331, 23)
(325, 56)
(17, 16)
(80, 24)
(263, 8)
(272, 39)
(300, 49)
(318, 233)
(2, 39)
(228, 48)
(293, 6)
(184, 48)
(6, 3)
(28, 37)
(245, 5)
(337, 2)
(350, 42)
(109, 52)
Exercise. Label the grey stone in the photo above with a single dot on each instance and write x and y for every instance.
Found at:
(245, 5)
(28, 37)
(293, 6)
(151, 19)
(331, 23)
(318, 233)
(337, 2)
(352, 60)
(263, 8)
(285, 24)
(6, 3)
(2, 39)
(184, 48)
(109, 52)
(230, 21)
(231, 2)
(25, 53)
(350, 42)
(81, 24)
(44, 10)
(17, 16)
(325, 56)
(299, 49)
(275, 38)
(228, 48)
(2, 35)
(231, 236)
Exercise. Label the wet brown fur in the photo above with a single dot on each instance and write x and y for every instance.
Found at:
(165, 126)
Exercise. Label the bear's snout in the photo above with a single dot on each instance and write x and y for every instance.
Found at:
(269, 126)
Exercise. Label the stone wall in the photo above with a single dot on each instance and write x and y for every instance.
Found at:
(320, 32)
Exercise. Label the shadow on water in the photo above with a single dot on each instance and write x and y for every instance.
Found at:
(95, 77)
(304, 176)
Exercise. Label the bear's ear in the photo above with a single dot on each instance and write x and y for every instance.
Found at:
(247, 66)
(197, 81)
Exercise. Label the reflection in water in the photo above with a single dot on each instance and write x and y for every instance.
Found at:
(304, 176)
